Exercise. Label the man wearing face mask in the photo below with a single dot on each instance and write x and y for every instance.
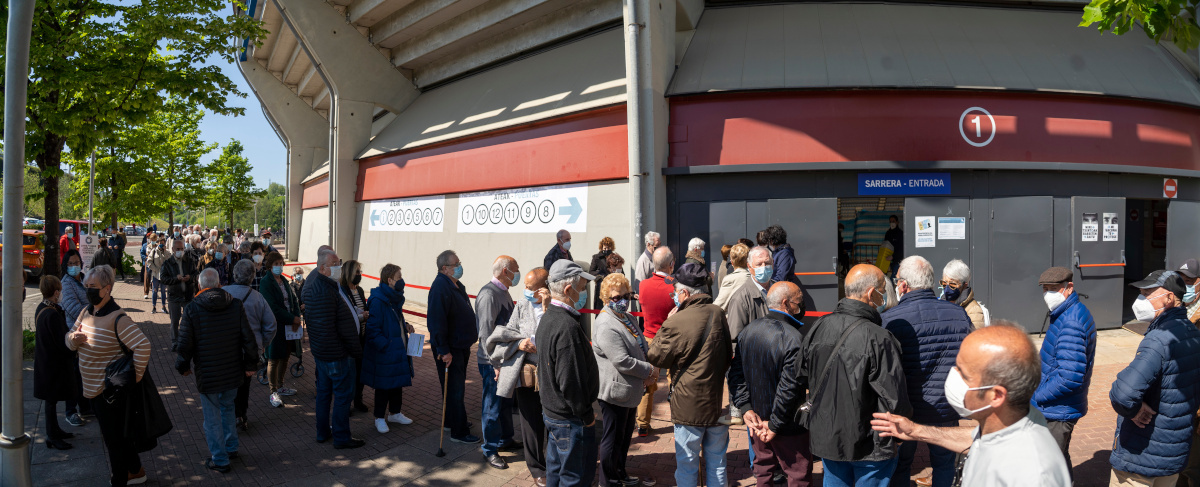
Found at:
(1067, 355)
(560, 250)
(493, 307)
(657, 305)
(995, 374)
(1190, 271)
(334, 340)
(644, 268)
(1158, 393)
(748, 303)
(853, 369)
(930, 331)
(452, 331)
(179, 275)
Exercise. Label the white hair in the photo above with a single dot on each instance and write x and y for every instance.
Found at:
(501, 264)
(691, 290)
(957, 270)
(651, 237)
(209, 279)
(917, 272)
(101, 275)
(558, 289)
(760, 250)
(695, 244)
(324, 256)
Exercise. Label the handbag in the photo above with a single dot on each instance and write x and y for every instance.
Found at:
(120, 373)
(529, 376)
(146, 417)
(824, 376)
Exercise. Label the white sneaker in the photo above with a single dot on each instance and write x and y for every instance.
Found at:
(147, 296)
(381, 425)
(399, 418)
(276, 401)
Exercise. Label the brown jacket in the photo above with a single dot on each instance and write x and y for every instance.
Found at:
(974, 310)
(697, 363)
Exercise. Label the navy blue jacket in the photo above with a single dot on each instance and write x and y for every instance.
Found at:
(765, 373)
(784, 268)
(1067, 355)
(451, 318)
(386, 363)
(332, 335)
(1165, 374)
(930, 332)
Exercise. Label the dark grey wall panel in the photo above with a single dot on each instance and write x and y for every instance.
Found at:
(1183, 232)
(811, 224)
(1022, 237)
(944, 250)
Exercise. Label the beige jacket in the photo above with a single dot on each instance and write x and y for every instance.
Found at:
(974, 310)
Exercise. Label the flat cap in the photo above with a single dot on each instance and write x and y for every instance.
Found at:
(691, 275)
(1056, 275)
(1189, 268)
(565, 269)
(1169, 280)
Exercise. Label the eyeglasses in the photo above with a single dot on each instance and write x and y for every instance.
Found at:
(626, 296)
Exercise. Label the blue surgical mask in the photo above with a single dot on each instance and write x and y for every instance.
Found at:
(530, 296)
(219, 255)
(703, 253)
(882, 306)
(619, 306)
(675, 298)
(458, 271)
(73, 270)
(277, 270)
(266, 241)
(952, 294)
(582, 301)
(763, 274)
(1190, 294)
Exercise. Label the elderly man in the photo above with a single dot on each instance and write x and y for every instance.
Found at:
(657, 303)
(1190, 271)
(869, 379)
(746, 304)
(178, 274)
(493, 306)
(1157, 394)
(560, 250)
(930, 331)
(569, 381)
(215, 336)
(452, 331)
(765, 381)
(694, 343)
(262, 323)
(1068, 352)
(992, 382)
(645, 262)
(956, 288)
(333, 338)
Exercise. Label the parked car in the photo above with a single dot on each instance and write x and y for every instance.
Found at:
(32, 252)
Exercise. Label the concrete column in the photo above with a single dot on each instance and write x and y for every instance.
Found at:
(351, 132)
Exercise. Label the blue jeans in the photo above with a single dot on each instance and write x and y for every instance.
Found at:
(689, 442)
(157, 289)
(571, 452)
(335, 383)
(941, 459)
(497, 414)
(858, 474)
(219, 428)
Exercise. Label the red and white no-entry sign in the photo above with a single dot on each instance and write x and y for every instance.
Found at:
(1170, 188)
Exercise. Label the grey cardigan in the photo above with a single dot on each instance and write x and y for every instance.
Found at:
(258, 313)
(502, 347)
(620, 359)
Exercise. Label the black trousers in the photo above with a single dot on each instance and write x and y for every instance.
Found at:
(1062, 431)
(388, 401)
(454, 386)
(614, 441)
(122, 459)
(176, 310)
(241, 402)
(533, 429)
(53, 430)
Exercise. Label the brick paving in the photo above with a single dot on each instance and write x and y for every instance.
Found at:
(279, 447)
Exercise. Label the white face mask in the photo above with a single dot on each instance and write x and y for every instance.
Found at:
(335, 272)
(178, 254)
(1053, 299)
(1144, 310)
(257, 258)
(956, 390)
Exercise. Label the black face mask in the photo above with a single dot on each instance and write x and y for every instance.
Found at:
(357, 279)
(94, 297)
(799, 315)
(399, 286)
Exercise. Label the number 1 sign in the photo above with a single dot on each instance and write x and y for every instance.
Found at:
(977, 123)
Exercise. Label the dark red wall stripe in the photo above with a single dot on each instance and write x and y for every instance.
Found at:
(316, 194)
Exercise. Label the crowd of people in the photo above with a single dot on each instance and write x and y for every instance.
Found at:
(901, 360)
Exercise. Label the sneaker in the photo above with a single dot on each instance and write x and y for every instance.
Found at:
(353, 443)
(153, 311)
(381, 425)
(649, 481)
(468, 439)
(146, 296)
(165, 311)
(399, 418)
(219, 468)
(643, 431)
(283, 391)
(275, 400)
(724, 420)
(75, 420)
(736, 421)
(137, 478)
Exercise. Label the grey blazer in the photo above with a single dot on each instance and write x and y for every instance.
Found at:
(621, 360)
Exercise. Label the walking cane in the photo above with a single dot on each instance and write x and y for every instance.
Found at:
(442, 430)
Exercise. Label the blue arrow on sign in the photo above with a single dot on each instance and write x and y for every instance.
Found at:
(374, 217)
(573, 210)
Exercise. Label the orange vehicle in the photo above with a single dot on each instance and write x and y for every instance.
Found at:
(32, 252)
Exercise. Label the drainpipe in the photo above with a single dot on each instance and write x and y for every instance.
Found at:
(634, 77)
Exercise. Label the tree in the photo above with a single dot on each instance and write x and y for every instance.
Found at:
(231, 188)
(1159, 19)
(96, 66)
(175, 151)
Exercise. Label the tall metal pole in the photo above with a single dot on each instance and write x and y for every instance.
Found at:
(14, 443)
(634, 37)
(91, 194)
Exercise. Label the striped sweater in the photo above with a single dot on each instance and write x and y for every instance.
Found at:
(102, 346)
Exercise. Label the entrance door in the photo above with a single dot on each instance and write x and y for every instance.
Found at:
(1183, 232)
(811, 225)
(726, 224)
(1022, 239)
(951, 231)
(1098, 256)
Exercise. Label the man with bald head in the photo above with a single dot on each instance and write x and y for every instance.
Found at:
(996, 372)
(655, 296)
(852, 366)
(765, 382)
(493, 306)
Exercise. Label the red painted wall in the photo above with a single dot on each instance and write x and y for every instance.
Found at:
(316, 194)
(591, 146)
(831, 126)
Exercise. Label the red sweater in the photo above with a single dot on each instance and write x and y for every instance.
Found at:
(655, 295)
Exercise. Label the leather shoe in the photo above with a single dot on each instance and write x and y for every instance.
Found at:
(540, 481)
(496, 462)
(353, 443)
(219, 468)
(322, 440)
(360, 407)
(512, 445)
(59, 444)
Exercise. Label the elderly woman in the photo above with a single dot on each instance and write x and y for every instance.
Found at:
(624, 372)
(285, 306)
(387, 367)
(599, 267)
(739, 259)
(956, 288)
(73, 301)
(353, 294)
(54, 377)
(262, 323)
(258, 253)
(98, 335)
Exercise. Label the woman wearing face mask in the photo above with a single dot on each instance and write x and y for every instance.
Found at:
(386, 365)
(353, 293)
(257, 253)
(54, 372)
(697, 254)
(97, 336)
(285, 305)
(620, 352)
(216, 261)
(956, 288)
(73, 301)
(297, 279)
(156, 254)
(1190, 272)
(599, 267)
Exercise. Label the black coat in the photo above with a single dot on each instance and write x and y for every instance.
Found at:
(179, 291)
(54, 377)
(555, 254)
(105, 256)
(331, 331)
(766, 371)
(286, 307)
(215, 336)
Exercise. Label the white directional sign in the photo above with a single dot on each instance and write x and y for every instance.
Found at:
(88, 245)
(407, 215)
(545, 209)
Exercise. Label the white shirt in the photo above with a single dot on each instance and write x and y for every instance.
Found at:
(353, 310)
(1022, 454)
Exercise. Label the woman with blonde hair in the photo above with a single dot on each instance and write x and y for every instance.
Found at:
(739, 258)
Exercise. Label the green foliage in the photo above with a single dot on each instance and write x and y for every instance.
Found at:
(28, 344)
(1174, 20)
(231, 188)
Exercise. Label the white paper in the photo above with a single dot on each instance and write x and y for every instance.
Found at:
(952, 228)
(88, 245)
(926, 230)
(288, 334)
(416, 344)
(1091, 228)
(1110, 227)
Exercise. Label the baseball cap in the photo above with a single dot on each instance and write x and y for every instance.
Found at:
(1189, 268)
(1169, 280)
(565, 269)
(691, 275)
(1056, 275)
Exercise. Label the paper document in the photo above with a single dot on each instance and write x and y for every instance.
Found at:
(288, 334)
(416, 344)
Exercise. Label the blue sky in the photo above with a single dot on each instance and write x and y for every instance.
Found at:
(262, 147)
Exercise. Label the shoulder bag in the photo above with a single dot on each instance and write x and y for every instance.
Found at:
(120, 373)
(815, 395)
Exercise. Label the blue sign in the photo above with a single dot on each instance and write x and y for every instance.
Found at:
(903, 183)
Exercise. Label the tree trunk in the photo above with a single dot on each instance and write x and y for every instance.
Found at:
(170, 221)
(51, 158)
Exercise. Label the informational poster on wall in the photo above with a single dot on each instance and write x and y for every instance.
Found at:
(1091, 228)
(1110, 227)
(926, 231)
(952, 228)
(88, 245)
(545, 209)
(407, 215)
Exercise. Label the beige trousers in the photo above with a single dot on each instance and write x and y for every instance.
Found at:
(1126, 479)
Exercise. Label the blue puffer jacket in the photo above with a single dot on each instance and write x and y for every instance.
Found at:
(386, 363)
(1165, 374)
(1067, 356)
(930, 332)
